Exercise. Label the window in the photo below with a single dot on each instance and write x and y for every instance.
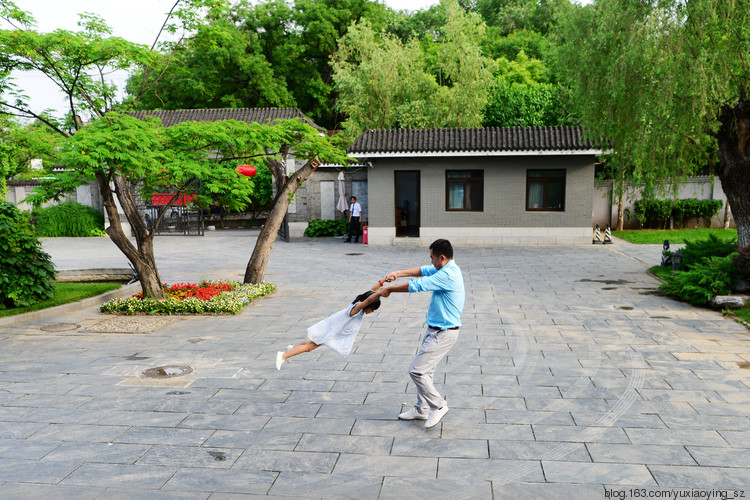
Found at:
(545, 190)
(464, 190)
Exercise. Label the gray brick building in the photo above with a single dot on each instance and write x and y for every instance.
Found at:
(508, 186)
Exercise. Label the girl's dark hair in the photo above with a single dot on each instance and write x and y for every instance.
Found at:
(374, 305)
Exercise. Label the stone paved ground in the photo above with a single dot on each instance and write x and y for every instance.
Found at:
(571, 379)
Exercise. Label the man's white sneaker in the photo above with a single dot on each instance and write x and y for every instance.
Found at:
(435, 416)
(279, 359)
(413, 414)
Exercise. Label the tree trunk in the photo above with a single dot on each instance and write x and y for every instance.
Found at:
(142, 256)
(734, 165)
(256, 267)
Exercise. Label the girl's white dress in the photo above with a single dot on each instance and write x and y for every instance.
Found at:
(337, 331)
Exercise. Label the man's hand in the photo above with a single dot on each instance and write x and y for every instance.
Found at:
(384, 292)
(391, 277)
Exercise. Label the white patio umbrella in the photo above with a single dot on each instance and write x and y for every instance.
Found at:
(342, 205)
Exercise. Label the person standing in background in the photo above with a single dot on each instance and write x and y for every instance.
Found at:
(355, 212)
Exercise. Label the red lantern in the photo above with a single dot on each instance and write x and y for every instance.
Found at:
(247, 170)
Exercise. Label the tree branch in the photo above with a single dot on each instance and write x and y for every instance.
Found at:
(27, 113)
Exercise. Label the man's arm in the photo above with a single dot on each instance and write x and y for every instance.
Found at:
(414, 272)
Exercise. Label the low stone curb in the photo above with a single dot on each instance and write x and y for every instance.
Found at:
(71, 307)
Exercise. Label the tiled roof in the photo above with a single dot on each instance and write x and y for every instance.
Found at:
(402, 142)
(171, 117)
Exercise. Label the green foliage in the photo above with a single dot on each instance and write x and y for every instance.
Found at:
(526, 105)
(255, 54)
(231, 302)
(384, 82)
(706, 279)
(317, 228)
(675, 236)
(64, 293)
(26, 271)
(69, 219)
(72, 60)
(145, 153)
(697, 251)
(666, 83)
(657, 212)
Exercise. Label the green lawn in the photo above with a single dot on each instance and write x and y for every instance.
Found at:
(654, 236)
(64, 294)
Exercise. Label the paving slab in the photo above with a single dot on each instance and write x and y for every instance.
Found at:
(571, 378)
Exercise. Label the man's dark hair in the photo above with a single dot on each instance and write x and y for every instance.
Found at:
(354, 198)
(361, 297)
(442, 247)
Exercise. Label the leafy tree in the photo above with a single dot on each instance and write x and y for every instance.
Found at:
(219, 66)
(382, 83)
(526, 105)
(386, 83)
(515, 15)
(532, 43)
(121, 152)
(667, 83)
(271, 53)
(20, 144)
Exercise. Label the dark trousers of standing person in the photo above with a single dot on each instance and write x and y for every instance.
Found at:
(353, 230)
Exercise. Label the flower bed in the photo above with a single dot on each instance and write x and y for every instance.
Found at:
(207, 297)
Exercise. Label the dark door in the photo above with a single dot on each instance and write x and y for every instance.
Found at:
(407, 202)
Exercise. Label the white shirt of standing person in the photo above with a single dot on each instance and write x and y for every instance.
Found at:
(355, 209)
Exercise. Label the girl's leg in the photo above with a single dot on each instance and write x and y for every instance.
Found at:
(306, 345)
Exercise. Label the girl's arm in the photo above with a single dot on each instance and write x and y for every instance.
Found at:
(369, 300)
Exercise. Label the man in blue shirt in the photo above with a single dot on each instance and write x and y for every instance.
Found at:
(444, 279)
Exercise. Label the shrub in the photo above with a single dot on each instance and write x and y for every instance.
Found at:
(326, 228)
(654, 213)
(711, 277)
(706, 210)
(69, 219)
(26, 271)
(697, 251)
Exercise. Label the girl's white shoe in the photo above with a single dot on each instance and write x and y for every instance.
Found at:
(280, 357)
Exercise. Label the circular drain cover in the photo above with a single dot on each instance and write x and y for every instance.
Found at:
(60, 327)
(167, 371)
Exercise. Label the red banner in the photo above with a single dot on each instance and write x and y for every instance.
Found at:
(161, 199)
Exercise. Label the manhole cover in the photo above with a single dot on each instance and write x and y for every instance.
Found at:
(60, 327)
(167, 371)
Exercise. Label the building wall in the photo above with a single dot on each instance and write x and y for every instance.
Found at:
(504, 219)
(700, 187)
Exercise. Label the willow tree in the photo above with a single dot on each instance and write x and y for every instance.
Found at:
(384, 82)
(666, 81)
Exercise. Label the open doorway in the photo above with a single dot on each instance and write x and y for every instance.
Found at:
(407, 202)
